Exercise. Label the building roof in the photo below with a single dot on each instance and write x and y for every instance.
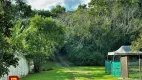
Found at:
(125, 50)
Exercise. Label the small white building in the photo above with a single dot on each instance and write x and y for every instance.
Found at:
(21, 70)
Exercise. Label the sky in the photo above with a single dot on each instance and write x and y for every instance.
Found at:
(49, 4)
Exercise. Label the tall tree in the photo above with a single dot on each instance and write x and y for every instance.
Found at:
(82, 6)
(38, 39)
(8, 17)
(6, 21)
(22, 10)
(57, 10)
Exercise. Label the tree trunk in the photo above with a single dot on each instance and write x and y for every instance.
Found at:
(36, 67)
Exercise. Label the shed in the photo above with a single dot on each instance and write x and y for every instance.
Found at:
(124, 52)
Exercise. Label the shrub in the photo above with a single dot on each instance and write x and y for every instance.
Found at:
(85, 57)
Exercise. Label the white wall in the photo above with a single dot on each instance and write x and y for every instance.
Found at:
(21, 70)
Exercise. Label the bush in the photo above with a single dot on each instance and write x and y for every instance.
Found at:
(83, 57)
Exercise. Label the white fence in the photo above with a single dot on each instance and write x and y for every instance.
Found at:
(21, 70)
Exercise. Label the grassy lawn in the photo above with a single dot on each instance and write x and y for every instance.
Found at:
(70, 73)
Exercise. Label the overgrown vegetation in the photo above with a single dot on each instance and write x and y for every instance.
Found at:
(103, 27)
(84, 36)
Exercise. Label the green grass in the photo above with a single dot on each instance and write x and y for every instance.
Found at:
(71, 73)
(134, 72)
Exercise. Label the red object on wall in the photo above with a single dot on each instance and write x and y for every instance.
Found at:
(13, 78)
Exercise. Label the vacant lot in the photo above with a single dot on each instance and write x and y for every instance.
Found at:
(70, 73)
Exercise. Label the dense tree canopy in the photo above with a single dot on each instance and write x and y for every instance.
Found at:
(6, 21)
(104, 26)
(43, 13)
(85, 35)
(9, 13)
(58, 10)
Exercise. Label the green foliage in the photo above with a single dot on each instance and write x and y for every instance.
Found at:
(57, 10)
(104, 26)
(7, 57)
(82, 6)
(54, 12)
(46, 35)
(18, 34)
(43, 13)
(136, 45)
(39, 35)
(7, 60)
(38, 59)
(38, 38)
(89, 33)
(86, 58)
(21, 9)
(80, 47)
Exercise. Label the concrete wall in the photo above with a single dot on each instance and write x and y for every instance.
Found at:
(21, 70)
